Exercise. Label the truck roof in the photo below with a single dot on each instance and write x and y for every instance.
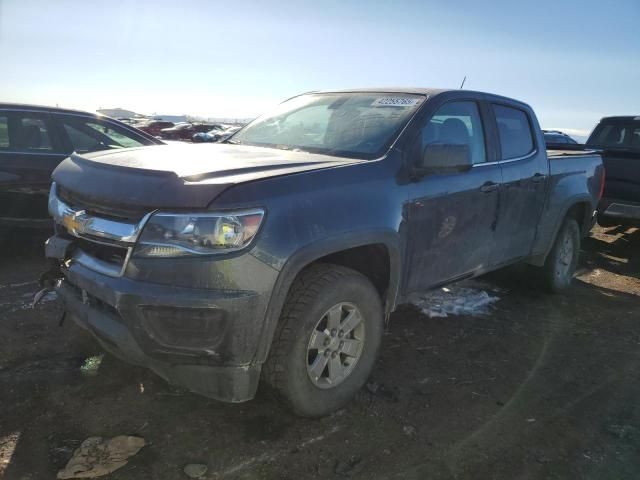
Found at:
(430, 92)
(621, 118)
(409, 90)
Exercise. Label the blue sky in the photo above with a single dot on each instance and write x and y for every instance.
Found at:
(573, 61)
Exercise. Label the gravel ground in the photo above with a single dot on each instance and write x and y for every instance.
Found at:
(539, 386)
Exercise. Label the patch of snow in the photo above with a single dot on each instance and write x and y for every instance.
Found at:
(49, 297)
(25, 301)
(454, 300)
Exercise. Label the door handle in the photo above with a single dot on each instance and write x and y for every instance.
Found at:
(489, 187)
(538, 177)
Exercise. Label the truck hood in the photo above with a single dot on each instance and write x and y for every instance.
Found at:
(177, 176)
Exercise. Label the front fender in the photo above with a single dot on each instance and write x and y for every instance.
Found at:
(312, 252)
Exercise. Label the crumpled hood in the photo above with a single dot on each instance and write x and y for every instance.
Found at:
(178, 176)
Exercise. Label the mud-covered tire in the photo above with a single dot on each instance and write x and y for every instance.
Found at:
(562, 260)
(319, 291)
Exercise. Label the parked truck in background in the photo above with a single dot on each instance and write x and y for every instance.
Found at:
(280, 253)
(618, 138)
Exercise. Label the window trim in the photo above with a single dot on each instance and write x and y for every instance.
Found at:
(532, 132)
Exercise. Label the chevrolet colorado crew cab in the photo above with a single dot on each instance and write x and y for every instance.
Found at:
(280, 253)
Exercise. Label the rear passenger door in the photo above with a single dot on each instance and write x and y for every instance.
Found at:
(29, 152)
(525, 171)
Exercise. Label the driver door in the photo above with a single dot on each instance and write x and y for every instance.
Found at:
(452, 216)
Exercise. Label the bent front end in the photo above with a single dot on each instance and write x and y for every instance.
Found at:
(195, 320)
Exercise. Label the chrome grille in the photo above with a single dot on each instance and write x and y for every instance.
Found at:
(103, 244)
(113, 212)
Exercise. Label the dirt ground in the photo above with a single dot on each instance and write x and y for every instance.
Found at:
(543, 387)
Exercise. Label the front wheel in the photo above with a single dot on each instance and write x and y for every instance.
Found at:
(562, 261)
(327, 341)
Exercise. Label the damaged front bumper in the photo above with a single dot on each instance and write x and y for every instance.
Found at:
(202, 339)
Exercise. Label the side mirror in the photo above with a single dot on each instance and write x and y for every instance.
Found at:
(445, 158)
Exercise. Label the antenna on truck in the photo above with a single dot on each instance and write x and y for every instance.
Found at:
(463, 80)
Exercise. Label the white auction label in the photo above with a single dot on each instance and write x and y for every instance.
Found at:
(395, 102)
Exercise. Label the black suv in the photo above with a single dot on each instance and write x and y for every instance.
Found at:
(556, 137)
(34, 140)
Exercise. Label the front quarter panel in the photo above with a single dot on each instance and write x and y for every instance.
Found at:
(313, 214)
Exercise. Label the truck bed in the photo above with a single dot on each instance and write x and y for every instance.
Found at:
(582, 164)
(579, 175)
(554, 153)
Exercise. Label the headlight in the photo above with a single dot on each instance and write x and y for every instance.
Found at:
(176, 235)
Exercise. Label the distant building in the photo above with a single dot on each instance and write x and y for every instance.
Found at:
(171, 118)
(118, 113)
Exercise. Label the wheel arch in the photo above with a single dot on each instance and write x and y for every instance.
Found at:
(580, 208)
(347, 250)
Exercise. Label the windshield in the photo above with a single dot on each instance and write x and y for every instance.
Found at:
(343, 124)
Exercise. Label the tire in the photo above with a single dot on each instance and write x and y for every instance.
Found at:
(562, 260)
(323, 298)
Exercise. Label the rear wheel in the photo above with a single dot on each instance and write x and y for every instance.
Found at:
(327, 341)
(562, 261)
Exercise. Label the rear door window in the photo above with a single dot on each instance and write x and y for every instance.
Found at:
(514, 128)
(28, 132)
(4, 131)
(611, 135)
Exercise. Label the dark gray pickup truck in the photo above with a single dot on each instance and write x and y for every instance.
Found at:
(618, 140)
(280, 253)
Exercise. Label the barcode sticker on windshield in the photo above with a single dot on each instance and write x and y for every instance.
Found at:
(395, 102)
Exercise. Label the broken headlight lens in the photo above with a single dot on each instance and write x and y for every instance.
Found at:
(177, 235)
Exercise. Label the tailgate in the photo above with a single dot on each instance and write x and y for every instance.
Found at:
(623, 175)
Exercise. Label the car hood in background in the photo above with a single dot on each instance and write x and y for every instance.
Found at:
(178, 176)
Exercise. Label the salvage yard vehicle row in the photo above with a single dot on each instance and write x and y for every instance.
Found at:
(34, 140)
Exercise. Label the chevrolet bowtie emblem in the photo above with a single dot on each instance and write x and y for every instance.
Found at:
(74, 221)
